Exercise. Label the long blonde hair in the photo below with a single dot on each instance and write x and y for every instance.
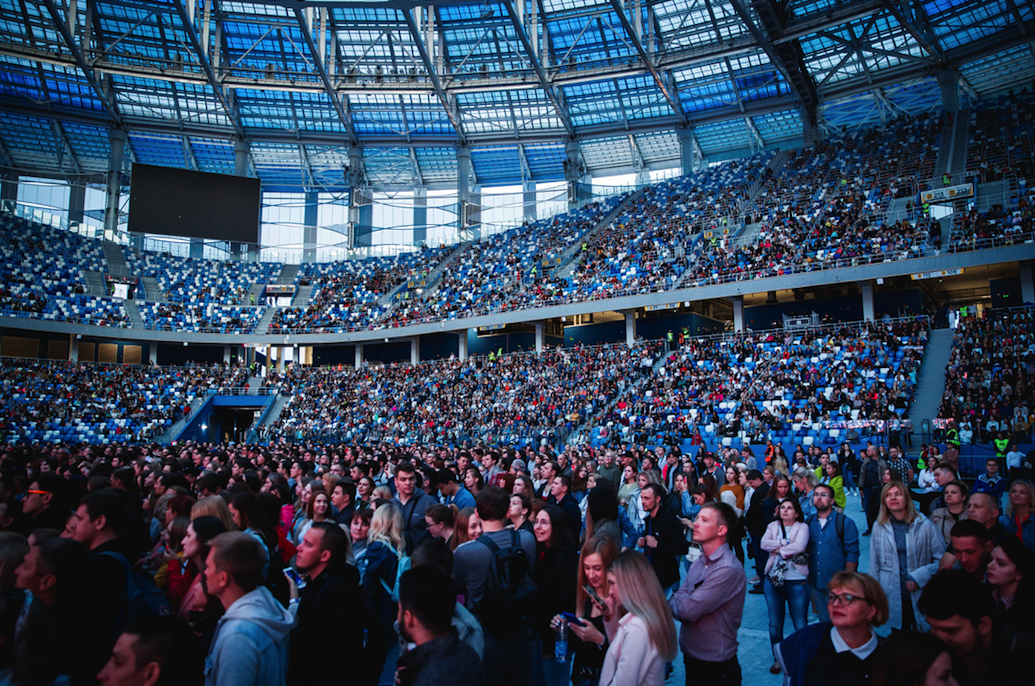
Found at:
(885, 515)
(214, 506)
(1027, 485)
(640, 594)
(386, 526)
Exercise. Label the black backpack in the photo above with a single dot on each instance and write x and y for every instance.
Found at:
(509, 601)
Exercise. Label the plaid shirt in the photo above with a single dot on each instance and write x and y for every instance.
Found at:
(710, 604)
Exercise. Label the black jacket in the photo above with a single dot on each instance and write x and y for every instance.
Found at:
(572, 513)
(671, 544)
(445, 661)
(330, 623)
(556, 577)
(754, 519)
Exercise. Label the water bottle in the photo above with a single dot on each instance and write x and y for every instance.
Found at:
(560, 646)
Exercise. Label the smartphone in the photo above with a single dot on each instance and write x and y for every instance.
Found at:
(573, 619)
(293, 575)
(595, 597)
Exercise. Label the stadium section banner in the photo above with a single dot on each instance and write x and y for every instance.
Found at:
(948, 193)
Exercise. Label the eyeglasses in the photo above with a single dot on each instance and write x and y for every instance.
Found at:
(37, 492)
(844, 599)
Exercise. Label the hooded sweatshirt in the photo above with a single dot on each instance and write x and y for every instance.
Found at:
(250, 647)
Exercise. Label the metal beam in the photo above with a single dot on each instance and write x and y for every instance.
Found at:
(59, 131)
(317, 55)
(555, 99)
(658, 79)
(62, 28)
(454, 117)
(206, 66)
(930, 47)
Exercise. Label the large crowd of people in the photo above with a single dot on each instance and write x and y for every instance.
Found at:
(429, 564)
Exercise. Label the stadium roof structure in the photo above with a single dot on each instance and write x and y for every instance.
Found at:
(407, 83)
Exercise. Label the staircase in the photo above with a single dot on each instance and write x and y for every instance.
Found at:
(133, 312)
(275, 411)
(992, 193)
(302, 295)
(254, 295)
(931, 383)
(151, 290)
(263, 326)
(287, 274)
(897, 210)
(95, 284)
(116, 259)
(957, 165)
(434, 276)
(177, 428)
(747, 235)
(570, 256)
(254, 384)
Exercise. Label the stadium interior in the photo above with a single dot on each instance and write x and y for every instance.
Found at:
(563, 222)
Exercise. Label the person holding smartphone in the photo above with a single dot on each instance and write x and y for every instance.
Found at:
(588, 634)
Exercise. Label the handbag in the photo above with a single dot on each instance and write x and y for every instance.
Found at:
(801, 558)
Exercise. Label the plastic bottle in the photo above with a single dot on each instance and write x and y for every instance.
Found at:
(560, 645)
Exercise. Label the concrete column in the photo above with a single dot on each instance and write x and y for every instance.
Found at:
(529, 201)
(152, 353)
(280, 358)
(462, 343)
(463, 179)
(73, 349)
(360, 212)
(114, 182)
(686, 149)
(241, 151)
(572, 172)
(738, 313)
(809, 126)
(540, 336)
(420, 216)
(359, 356)
(1027, 289)
(76, 203)
(312, 209)
(415, 350)
(226, 354)
(630, 328)
(8, 189)
(947, 83)
(867, 296)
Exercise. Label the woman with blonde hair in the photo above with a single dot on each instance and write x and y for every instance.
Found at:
(905, 550)
(646, 634)
(214, 506)
(378, 570)
(1018, 512)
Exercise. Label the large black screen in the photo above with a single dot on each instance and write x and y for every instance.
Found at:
(178, 202)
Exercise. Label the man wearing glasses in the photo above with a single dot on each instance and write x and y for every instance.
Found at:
(842, 651)
(43, 507)
(833, 546)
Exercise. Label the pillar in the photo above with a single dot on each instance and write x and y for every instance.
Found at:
(630, 328)
(280, 358)
(76, 203)
(359, 356)
(540, 336)
(420, 216)
(463, 181)
(462, 343)
(867, 296)
(809, 126)
(415, 350)
(572, 172)
(241, 151)
(152, 353)
(226, 354)
(361, 213)
(73, 349)
(947, 83)
(474, 212)
(312, 209)
(738, 313)
(1027, 289)
(8, 189)
(529, 201)
(114, 182)
(686, 149)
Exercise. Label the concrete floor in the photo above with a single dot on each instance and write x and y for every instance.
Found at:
(755, 654)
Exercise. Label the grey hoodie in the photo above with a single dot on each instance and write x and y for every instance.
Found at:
(250, 647)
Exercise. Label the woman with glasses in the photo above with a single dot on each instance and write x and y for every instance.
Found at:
(843, 651)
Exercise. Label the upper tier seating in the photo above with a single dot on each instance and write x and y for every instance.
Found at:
(201, 282)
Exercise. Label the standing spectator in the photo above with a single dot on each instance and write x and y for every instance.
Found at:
(413, 502)
(155, 651)
(251, 641)
(441, 521)
(871, 472)
(663, 540)
(904, 555)
(646, 638)
(378, 570)
(1015, 463)
(805, 482)
(991, 482)
(983, 508)
(786, 572)
(955, 510)
(842, 650)
(833, 547)
(44, 506)
(833, 478)
(1011, 574)
(509, 644)
(911, 659)
(560, 495)
(755, 522)
(343, 497)
(710, 603)
(608, 469)
(1018, 520)
(455, 492)
(897, 461)
(556, 572)
(970, 543)
(590, 637)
